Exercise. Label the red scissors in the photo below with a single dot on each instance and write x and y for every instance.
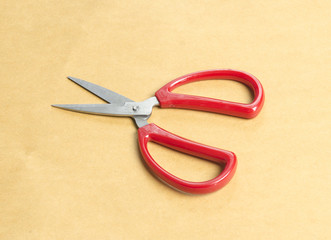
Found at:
(119, 105)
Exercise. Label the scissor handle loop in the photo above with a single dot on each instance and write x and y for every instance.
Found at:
(168, 99)
(152, 132)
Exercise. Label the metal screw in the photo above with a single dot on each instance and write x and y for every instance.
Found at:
(135, 108)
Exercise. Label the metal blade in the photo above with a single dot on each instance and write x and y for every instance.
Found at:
(108, 96)
(101, 92)
(99, 109)
(129, 109)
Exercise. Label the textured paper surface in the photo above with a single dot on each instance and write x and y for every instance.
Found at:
(66, 175)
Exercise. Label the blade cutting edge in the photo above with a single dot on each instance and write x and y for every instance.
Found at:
(101, 92)
(102, 109)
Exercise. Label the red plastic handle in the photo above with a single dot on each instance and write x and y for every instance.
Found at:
(168, 99)
(152, 132)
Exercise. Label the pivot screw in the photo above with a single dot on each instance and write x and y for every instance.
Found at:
(135, 108)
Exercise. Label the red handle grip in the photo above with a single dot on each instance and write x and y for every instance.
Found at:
(168, 99)
(152, 132)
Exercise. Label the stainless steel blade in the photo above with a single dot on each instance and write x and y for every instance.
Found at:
(108, 96)
(101, 92)
(129, 109)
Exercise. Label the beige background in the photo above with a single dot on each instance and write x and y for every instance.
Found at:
(65, 175)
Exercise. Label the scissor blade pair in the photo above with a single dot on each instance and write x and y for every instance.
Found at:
(101, 92)
(99, 109)
(108, 96)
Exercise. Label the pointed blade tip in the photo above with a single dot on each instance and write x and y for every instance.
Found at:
(71, 78)
(63, 106)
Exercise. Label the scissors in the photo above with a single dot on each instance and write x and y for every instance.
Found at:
(118, 105)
